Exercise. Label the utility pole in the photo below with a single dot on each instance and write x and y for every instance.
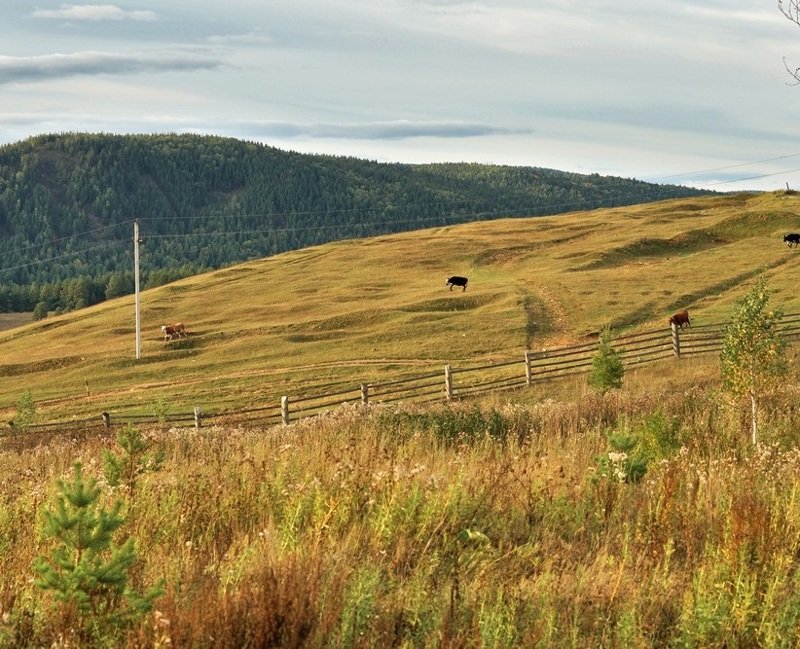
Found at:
(136, 241)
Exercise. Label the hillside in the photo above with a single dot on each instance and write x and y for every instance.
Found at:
(362, 309)
(67, 204)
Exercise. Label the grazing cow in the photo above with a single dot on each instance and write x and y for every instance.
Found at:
(178, 329)
(456, 280)
(791, 239)
(681, 319)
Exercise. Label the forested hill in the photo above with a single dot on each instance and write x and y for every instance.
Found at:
(68, 202)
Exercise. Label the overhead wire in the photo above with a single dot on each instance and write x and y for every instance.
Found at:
(738, 180)
(65, 237)
(432, 221)
(733, 166)
(106, 244)
(421, 222)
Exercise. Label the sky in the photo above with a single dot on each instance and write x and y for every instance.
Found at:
(692, 92)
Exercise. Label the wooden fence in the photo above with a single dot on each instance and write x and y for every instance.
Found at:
(451, 382)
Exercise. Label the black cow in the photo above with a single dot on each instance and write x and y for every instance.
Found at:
(456, 280)
(791, 239)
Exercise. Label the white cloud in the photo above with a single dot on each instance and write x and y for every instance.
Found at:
(94, 12)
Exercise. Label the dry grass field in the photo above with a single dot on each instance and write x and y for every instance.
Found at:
(13, 320)
(365, 309)
(508, 521)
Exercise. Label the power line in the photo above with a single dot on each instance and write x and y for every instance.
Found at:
(739, 180)
(733, 166)
(65, 238)
(420, 222)
(559, 206)
(654, 193)
(106, 244)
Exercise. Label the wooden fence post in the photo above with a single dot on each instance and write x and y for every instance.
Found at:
(676, 341)
(197, 417)
(528, 375)
(285, 410)
(448, 382)
(107, 421)
(365, 393)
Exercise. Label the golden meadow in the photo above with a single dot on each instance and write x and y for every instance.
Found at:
(489, 523)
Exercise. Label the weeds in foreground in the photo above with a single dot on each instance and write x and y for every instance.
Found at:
(454, 526)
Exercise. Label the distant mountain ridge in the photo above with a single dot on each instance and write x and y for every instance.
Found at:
(68, 201)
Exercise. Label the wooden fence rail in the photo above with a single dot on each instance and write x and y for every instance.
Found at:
(451, 383)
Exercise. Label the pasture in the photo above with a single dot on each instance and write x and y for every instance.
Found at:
(359, 310)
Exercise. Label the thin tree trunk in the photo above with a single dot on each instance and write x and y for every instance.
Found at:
(754, 417)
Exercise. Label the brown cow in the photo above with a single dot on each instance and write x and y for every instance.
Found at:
(178, 329)
(681, 319)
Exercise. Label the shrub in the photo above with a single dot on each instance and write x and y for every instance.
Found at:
(160, 408)
(40, 311)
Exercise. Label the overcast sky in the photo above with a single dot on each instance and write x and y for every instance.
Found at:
(686, 91)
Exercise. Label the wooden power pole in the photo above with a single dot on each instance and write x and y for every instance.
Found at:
(136, 241)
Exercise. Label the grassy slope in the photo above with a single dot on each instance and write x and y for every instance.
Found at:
(352, 310)
(12, 320)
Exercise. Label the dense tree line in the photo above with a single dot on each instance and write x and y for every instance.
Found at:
(67, 204)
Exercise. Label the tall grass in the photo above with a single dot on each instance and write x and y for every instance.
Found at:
(484, 526)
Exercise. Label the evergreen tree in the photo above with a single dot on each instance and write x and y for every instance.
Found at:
(87, 571)
(607, 369)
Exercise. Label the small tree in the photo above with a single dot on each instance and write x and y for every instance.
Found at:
(87, 571)
(607, 368)
(26, 410)
(160, 408)
(624, 461)
(133, 460)
(752, 358)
